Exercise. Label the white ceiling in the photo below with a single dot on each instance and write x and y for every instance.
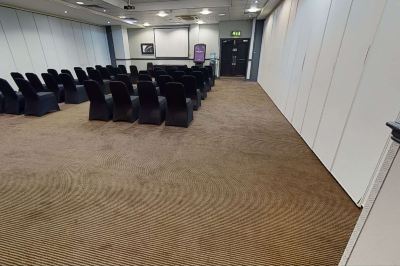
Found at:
(145, 10)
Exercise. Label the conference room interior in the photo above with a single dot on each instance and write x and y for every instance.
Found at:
(199, 132)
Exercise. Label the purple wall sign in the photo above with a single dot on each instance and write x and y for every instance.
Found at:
(199, 53)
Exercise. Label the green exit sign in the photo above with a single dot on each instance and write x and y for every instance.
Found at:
(236, 33)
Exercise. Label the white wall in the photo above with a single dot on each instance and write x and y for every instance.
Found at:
(331, 67)
(121, 43)
(226, 28)
(208, 34)
(31, 42)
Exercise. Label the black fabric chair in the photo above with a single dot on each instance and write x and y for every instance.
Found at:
(126, 106)
(98, 67)
(74, 94)
(144, 72)
(170, 70)
(152, 106)
(179, 108)
(189, 82)
(195, 68)
(1, 103)
(182, 68)
(211, 74)
(37, 103)
(207, 78)
(128, 83)
(159, 73)
(177, 75)
(81, 74)
(145, 77)
(17, 75)
(105, 74)
(122, 69)
(54, 73)
(150, 69)
(188, 71)
(35, 82)
(66, 71)
(89, 68)
(75, 68)
(95, 75)
(134, 74)
(52, 86)
(101, 106)
(200, 85)
(13, 102)
(162, 83)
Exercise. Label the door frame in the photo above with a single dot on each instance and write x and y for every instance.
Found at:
(220, 52)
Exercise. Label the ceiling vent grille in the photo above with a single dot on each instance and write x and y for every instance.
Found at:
(188, 17)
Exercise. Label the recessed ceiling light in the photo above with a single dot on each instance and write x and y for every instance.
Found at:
(108, 22)
(104, 10)
(200, 22)
(162, 14)
(122, 17)
(65, 11)
(205, 11)
(146, 24)
(80, 3)
(222, 14)
(253, 9)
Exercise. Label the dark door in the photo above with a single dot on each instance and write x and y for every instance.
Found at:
(234, 55)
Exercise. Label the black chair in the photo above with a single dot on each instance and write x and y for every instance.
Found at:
(144, 72)
(195, 68)
(128, 83)
(152, 106)
(66, 71)
(95, 75)
(101, 106)
(13, 102)
(75, 68)
(74, 94)
(122, 69)
(207, 78)
(158, 73)
(189, 71)
(200, 85)
(98, 67)
(179, 108)
(54, 73)
(211, 74)
(189, 82)
(35, 82)
(170, 70)
(52, 86)
(16, 75)
(81, 74)
(89, 68)
(126, 106)
(177, 75)
(134, 74)
(145, 77)
(150, 69)
(182, 68)
(162, 83)
(105, 74)
(37, 103)
(1, 103)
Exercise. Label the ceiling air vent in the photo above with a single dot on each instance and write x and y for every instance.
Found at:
(93, 6)
(188, 17)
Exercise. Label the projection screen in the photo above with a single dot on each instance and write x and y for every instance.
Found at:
(172, 42)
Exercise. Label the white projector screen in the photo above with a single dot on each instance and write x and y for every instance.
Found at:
(172, 42)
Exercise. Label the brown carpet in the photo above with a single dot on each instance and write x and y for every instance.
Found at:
(239, 187)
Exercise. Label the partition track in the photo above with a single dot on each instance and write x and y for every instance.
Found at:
(238, 187)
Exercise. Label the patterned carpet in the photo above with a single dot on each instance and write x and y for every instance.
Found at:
(238, 187)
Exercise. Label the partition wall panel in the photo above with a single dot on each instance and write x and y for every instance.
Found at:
(31, 42)
(335, 80)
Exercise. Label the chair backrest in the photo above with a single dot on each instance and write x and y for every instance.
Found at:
(16, 75)
(159, 73)
(27, 89)
(188, 71)
(171, 69)
(189, 82)
(7, 90)
(195, 68)
(199, 79)
(162, 82)
(143, 72)
(120, 93)
(95, 75)
(182, 68)
(66, 71)
(150, 66)
(105, 74)
(68, 82)
(98, 67)
(54, 73)
(206, 74)
(50, 81)
(210, 71)
(112, 70)
(147, 94)
(144, 77)
(75, 68)
(177, 75)
(89, 68)
(134, 71)
(122, 69)
(176, 96)
(94, 92)
(127, 81)
(81, 74)
(35, 81)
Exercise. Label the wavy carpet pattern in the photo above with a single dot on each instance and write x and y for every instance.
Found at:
(238, 187)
